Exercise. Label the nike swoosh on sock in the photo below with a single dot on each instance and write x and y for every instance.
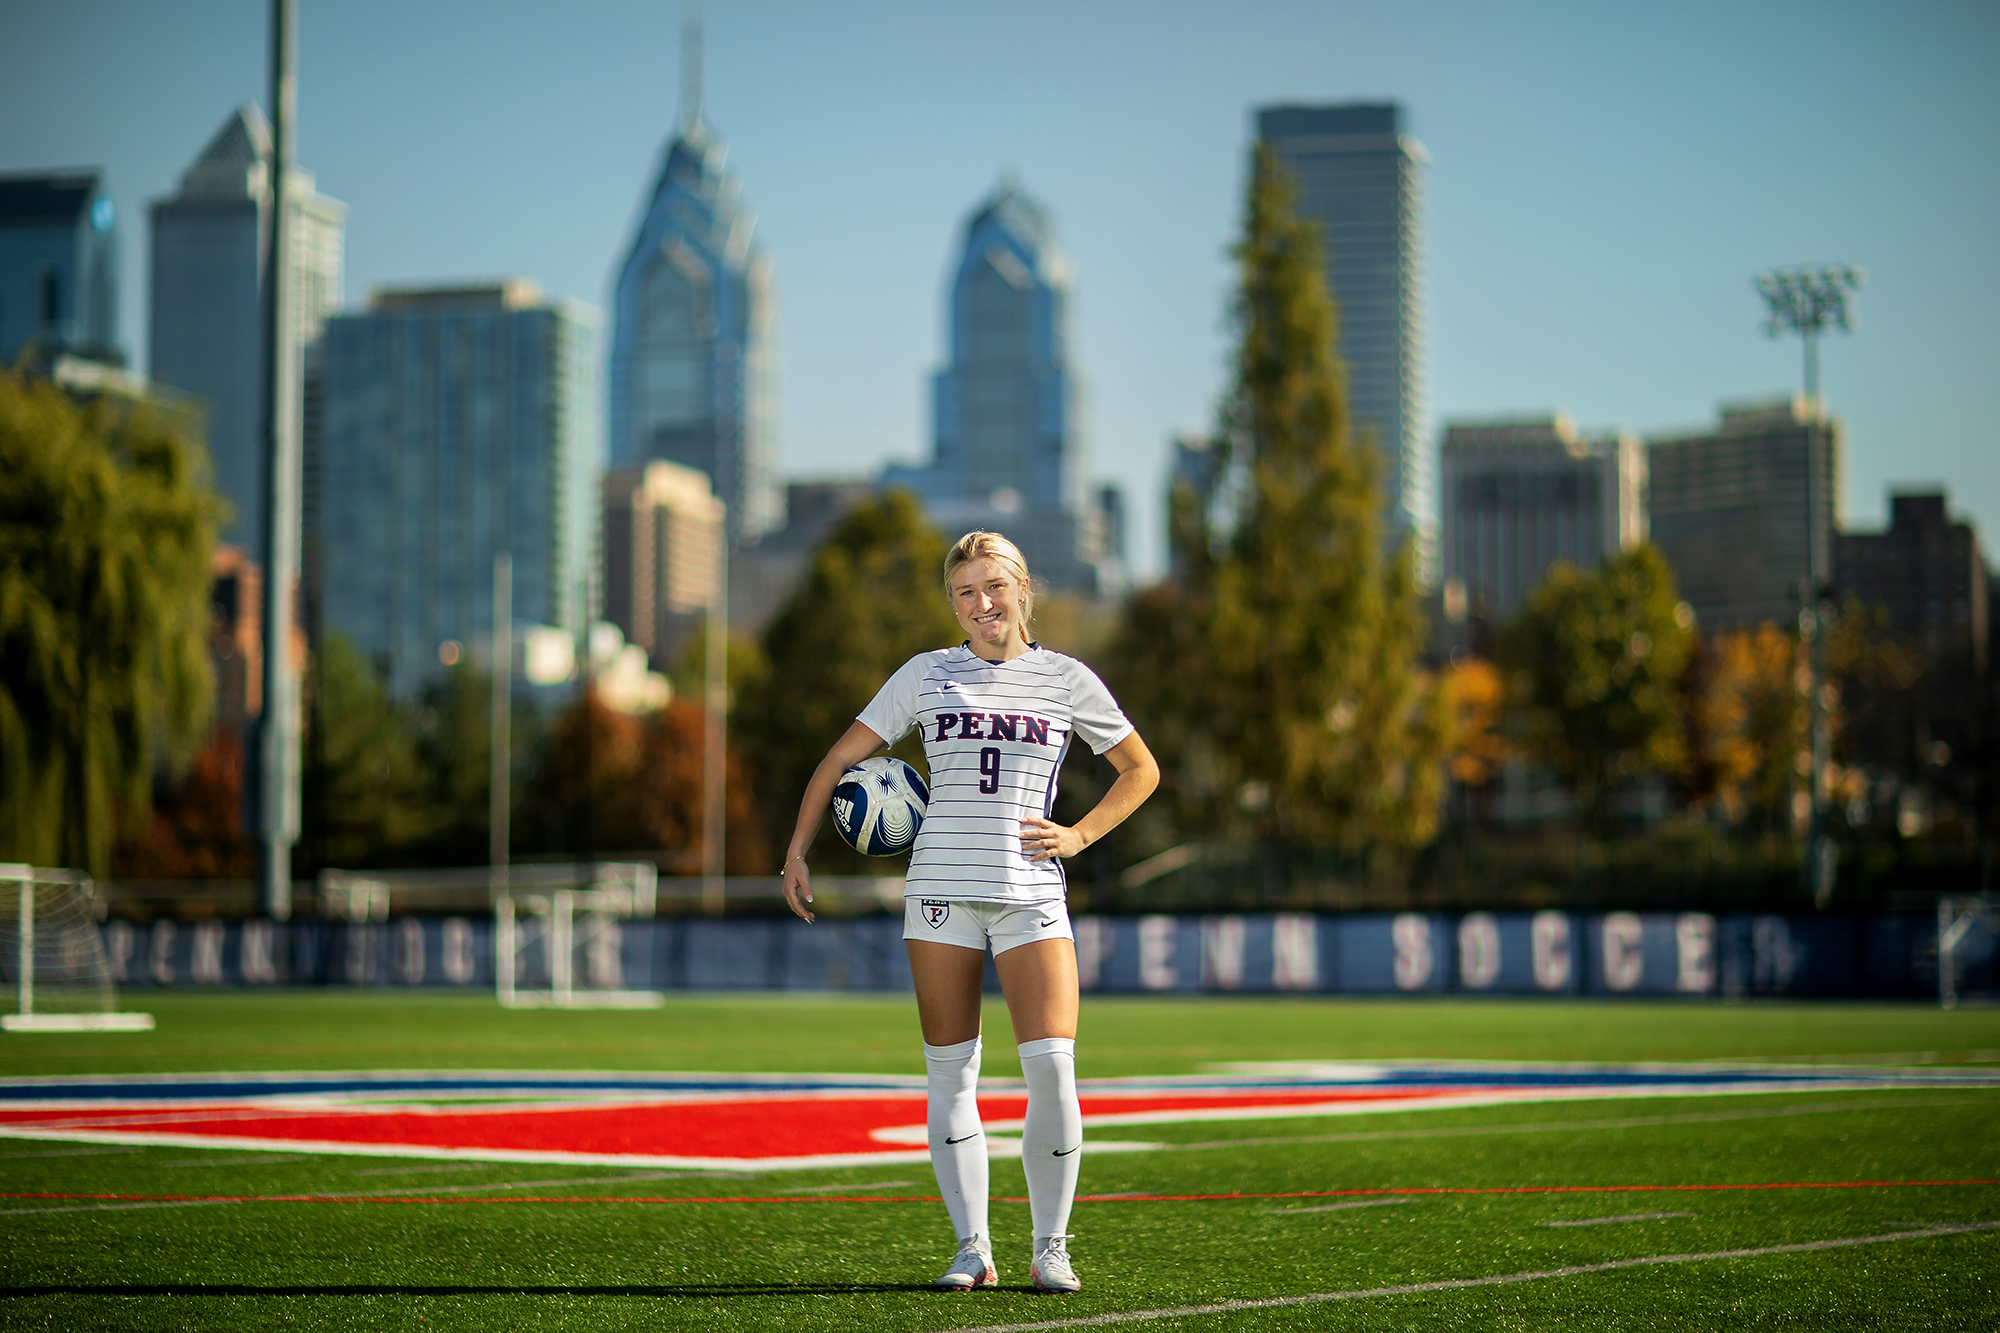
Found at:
(1063, 1152)
(952, 1143)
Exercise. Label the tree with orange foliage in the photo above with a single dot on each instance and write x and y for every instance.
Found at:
(607, 782)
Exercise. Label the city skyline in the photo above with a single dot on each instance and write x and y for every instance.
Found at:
(1592, 226)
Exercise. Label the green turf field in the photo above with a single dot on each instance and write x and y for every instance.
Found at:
(831, 1262)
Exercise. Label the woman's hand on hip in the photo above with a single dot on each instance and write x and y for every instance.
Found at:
(1044, 838)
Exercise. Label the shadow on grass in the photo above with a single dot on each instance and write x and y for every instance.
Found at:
(687, 1290)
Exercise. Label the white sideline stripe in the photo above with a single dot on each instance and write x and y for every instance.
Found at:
(1569, 1126)
(1454, 1284)
(112, 1207)
(1622, 1217)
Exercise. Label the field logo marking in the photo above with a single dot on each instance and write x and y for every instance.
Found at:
(1456, 1284)
(725, 1121)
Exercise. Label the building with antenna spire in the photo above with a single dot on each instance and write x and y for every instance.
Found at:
(1007, 454)
(694, 328)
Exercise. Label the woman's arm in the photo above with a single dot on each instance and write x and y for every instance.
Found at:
(849, 750)
(1138, 775)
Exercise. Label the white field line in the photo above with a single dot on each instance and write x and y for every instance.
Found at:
(1566, 1126)
(1455, 1284)
(1335, 1207)
(1602, 1221)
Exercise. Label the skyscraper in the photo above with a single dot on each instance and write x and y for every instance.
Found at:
(1520, 495)
(1362, 179)
(694, 331)
(1727, 508)
(1006, 452)
(459, 422)
(662, 534)
(58, 265)
(207, 297)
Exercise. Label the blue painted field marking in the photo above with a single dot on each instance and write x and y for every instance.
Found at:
(1463, 1076)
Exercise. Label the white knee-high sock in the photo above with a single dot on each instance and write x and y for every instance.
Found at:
(1052, 1139)
(958, 1143)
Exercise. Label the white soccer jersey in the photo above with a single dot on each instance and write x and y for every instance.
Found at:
(995, 734)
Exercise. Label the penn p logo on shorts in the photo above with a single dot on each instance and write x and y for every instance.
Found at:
(935, 913)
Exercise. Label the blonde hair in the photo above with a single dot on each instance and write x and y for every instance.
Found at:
(982, 545)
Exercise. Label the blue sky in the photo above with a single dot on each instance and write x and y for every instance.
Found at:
(1605, 180)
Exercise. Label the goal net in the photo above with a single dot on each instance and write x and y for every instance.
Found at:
(1968, 948)
(52, 957)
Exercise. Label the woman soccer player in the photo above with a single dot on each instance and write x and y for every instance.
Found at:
(997, 714)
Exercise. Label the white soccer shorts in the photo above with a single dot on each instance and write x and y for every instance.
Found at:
(973, 923)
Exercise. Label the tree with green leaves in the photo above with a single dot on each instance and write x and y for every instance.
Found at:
(107, 522)
(368, 799)
(1595, 663)
(872, 598)
(1285, 664)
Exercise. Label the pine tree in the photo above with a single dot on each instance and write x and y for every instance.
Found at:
(1304, 716)
(106, 527)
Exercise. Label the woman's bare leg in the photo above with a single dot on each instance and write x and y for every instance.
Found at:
(1039, 981)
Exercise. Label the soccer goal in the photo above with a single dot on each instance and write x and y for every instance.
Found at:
(50, 944)
(567, 913)
(1968, 937)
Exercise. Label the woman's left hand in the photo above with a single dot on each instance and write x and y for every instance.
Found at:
(1044, 838)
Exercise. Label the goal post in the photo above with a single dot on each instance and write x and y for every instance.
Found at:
(1968, 929)
(557, 938)
(50, 943)
(565, 913)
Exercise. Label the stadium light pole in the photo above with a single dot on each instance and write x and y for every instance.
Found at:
(1810, 301)
(277, 789)
(715, 728)
(500, 804)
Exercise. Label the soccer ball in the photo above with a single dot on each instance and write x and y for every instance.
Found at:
(879, 806)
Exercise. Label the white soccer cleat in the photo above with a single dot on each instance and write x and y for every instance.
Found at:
(1050, 1270)
(971, 1267)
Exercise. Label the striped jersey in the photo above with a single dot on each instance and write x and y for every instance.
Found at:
(994, 734)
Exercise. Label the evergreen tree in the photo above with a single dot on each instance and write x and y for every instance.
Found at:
(106, 527)
(1596, 663)
(872, 598)
(1282, 674)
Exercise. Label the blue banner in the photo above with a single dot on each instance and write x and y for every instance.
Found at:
(1406, 953)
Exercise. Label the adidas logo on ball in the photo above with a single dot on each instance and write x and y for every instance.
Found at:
(879, 806)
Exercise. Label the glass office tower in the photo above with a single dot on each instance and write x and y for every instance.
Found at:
(694, 336)
(207, 320)
(58, 266)
(458, 422)
(1362, 179)
(1006, 450)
